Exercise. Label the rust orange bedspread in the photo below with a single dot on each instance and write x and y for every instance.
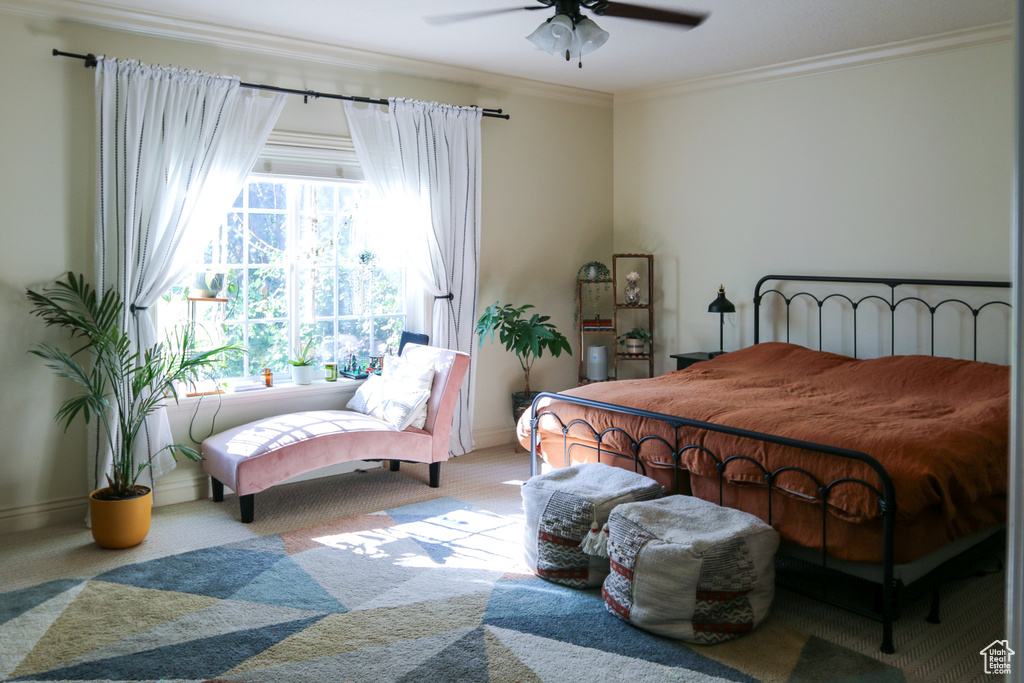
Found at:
(938, 425)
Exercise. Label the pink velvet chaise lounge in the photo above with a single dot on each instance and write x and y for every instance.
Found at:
(257, 455)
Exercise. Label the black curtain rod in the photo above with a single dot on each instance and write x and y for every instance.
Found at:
(90, 61)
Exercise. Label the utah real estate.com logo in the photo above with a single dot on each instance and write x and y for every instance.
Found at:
(997, 656)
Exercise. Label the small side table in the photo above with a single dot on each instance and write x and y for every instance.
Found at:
(685, 360)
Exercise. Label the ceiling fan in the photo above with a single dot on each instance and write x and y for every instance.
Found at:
(571, 32)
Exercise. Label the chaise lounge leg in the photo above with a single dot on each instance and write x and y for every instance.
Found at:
(247, 504)
(218, 490)
(933, 614)
(435, 474)
(395, 464)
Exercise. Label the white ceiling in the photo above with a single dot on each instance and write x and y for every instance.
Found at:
(738, 34)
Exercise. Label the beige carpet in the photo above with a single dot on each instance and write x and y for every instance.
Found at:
(972, 607)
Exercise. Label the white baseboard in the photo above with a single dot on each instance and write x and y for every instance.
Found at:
(489, 437)
(38, 515)
(181, 491)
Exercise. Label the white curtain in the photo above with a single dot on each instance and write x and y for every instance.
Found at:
(424, 161)
(175, 147)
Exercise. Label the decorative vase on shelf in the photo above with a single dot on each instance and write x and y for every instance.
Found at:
(632, 293)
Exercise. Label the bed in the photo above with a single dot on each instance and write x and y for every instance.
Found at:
(884, 468)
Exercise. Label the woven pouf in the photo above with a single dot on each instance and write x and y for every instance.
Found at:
(688, 569)
(564, 507)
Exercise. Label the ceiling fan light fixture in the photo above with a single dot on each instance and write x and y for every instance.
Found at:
(589, 36)
(553, 36)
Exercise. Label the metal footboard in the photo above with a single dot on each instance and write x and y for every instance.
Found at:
(883, 489)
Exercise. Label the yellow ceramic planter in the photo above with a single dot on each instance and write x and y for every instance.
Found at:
(120, 523)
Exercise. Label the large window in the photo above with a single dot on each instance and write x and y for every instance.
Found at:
(299, 267)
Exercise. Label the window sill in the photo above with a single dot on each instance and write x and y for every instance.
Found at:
(278, 392)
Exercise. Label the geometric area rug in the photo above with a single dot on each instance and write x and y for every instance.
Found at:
(433, 591)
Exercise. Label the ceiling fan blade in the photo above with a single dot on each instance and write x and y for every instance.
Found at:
(443, 19)
(627, 11)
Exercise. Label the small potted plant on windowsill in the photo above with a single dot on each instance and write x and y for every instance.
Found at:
(526, 337)
(635, 340)
(302, 365)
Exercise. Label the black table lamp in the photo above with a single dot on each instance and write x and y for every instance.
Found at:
(721, 305)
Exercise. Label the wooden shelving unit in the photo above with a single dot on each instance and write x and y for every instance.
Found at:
(584, 333)
(626, 316)
(623, 316)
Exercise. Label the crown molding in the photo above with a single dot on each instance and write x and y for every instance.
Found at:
(851, 59)
(161, 26)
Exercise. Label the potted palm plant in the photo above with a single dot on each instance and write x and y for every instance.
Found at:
(527, 337)
(120, 388)
(302, 365)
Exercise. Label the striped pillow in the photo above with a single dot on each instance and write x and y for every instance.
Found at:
(369, 396)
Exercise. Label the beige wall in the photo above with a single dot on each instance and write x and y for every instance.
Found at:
(546, 208)
(899, 167)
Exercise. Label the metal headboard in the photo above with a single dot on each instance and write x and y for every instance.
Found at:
(891, 301)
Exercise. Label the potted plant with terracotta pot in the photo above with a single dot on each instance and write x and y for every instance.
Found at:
(527, 337)
(635, 340)
(120, 387)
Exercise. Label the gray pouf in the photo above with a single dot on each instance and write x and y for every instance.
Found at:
(688, 569)
(565, 507)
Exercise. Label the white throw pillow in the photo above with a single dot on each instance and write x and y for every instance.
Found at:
(401, 410)
(369, 396)
(404, 381)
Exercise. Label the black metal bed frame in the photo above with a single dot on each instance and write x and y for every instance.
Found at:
(882, 489)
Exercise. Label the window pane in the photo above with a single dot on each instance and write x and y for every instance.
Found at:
(324, 243)
(268, 293)
(267, 195)
(322, 335)
(267, 237)
(236, 363)
(208, 252)
(352, 339)
(239, 199)
(268, 347)
(388, 292)
(347, 291)
(325, 198)
(235, 239)
(386, 333)
(235, 292)
(316, 294)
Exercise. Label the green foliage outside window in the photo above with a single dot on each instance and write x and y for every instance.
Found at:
(291, 253)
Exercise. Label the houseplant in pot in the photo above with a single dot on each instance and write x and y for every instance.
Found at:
(302, 365)
(207, 284)
(120, 387)
(527, 337)
(635, 340)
